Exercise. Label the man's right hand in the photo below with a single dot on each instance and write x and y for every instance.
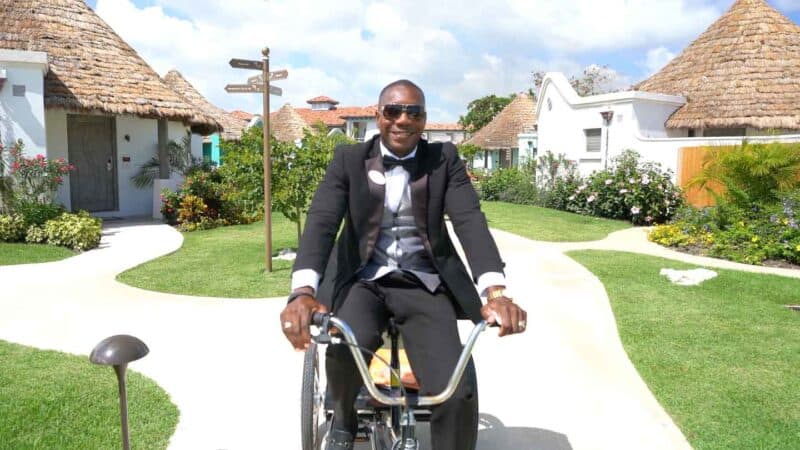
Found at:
(296, 318)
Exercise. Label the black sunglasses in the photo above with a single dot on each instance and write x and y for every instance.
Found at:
(393, 111)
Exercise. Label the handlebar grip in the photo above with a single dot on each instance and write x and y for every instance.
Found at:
(317, 318)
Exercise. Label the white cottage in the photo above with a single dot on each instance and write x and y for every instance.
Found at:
(72, 88)
(739, 79)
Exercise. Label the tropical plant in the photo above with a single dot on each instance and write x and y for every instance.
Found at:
(298, 170)
(751, 173)
(31, 179)
(508, 185)
(181, 162)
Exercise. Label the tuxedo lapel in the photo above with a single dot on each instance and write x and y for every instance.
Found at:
(376, 179)
(418, 185)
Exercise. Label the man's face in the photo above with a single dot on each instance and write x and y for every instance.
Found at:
(402, 133)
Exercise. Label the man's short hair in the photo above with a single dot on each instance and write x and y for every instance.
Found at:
(404, 83)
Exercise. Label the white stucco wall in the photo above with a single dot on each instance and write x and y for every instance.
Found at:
(563, 116)
(454, 136)
(23, 117)
(142, 146)
(528, 144)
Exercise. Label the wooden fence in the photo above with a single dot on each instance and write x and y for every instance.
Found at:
(690, 164)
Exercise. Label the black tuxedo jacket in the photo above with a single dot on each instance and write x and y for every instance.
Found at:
(440, 185)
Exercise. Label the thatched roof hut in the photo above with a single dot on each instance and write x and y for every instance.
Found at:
(287, 125)
(517, 117)
(744, 71)
(91, 68)
(232, 126)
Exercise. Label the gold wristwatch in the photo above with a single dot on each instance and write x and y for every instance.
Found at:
(496, 293)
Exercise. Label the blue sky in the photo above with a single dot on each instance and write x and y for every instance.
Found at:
(457, 50)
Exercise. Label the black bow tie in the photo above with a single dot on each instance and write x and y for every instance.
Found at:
(409, 164)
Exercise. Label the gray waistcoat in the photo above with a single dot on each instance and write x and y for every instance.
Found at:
(399, 247)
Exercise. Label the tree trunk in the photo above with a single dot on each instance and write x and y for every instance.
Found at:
(299, 229)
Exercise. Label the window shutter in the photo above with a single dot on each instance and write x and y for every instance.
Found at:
(593, 139)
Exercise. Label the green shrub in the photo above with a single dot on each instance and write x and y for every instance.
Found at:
(78, 231)
(642, 193)
(35, 235)
(752, 173)
(12, 228)
(36, 213)
(508, 185)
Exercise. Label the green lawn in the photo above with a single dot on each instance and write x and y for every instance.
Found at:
(17, 253)
(52, 400)
(543, 224)
(722, 357)
(222, 262)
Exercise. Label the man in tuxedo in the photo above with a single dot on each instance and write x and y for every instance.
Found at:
(394, 258)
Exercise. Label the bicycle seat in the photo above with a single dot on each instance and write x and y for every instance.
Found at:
(382, 376)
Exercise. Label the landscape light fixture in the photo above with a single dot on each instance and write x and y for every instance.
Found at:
(118, 351)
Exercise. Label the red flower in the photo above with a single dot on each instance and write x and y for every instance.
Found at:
(40, 156)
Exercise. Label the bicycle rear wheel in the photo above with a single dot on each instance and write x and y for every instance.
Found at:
(312, 402)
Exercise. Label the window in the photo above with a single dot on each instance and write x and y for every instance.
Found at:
(592, 139)
(720, 132)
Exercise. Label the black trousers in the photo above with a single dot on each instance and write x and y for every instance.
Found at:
(427, 324)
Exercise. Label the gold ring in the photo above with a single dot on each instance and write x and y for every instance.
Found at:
(287, 325)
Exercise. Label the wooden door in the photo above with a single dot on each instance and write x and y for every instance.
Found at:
(92, 150)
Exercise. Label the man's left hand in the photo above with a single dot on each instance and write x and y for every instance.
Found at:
(512, 318)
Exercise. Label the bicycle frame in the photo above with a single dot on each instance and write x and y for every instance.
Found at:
(407, 439)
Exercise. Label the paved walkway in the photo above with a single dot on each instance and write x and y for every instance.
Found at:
(565, 384)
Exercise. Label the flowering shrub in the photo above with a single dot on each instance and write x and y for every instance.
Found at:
(170, 203)
(750, 235)
(78, 231)
(201, 203)
(642, 193)
(12, 228)
(35, 179)
(35, 235)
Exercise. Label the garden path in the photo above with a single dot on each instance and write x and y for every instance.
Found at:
(634, 240)
(565, 384)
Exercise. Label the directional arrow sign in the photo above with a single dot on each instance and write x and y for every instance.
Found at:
(273, 76)
(251, 88)
(247, 64)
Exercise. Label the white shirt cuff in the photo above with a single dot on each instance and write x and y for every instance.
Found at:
(305, 277)
(490, 279)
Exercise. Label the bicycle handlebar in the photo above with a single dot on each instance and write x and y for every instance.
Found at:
(324, 321)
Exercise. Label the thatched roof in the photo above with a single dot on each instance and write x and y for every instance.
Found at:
(91, 68)
(517, 117)
(232, 127)
(744, 71)
(335, 118)
(286, 124)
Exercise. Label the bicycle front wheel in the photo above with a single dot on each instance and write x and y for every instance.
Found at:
(312, 402)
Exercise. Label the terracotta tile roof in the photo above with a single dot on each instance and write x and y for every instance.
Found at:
(501, 133)
(244, 115)
(91, 67)
(443, 127)
(232, 126)
(322, 99)
(335, 118)
(743, 71)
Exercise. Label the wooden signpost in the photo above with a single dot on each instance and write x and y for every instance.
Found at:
(260, 84)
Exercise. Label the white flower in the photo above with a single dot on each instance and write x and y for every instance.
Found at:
(571, 198)
(635, 210)
(645, 179)
(581, 187)
(609, 181)
(631, 180)
(667, 202)
(623, 191)
(590, 199)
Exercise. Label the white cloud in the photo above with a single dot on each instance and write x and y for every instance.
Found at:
(457, 50)
(656, 59)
